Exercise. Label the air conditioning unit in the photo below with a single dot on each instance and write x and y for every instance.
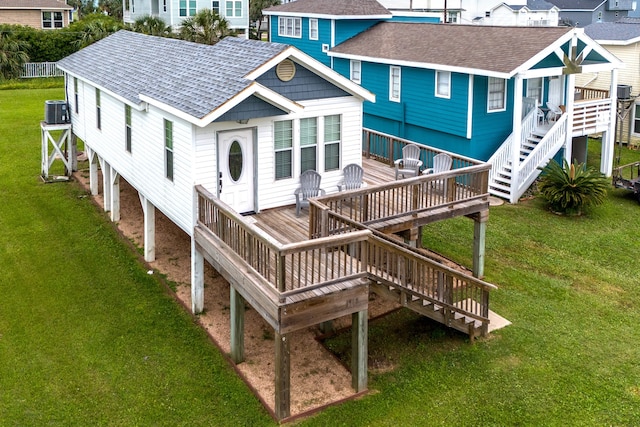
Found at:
(624, 91)
(56, 112)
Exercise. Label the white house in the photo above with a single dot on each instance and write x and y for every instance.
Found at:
(238, 118)
(535, 13)
(173, 12)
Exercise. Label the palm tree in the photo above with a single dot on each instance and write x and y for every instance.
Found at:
(96, 27)
(12, 56)
(205, 27)
(152, 26)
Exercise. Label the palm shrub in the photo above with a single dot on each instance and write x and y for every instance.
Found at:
(570, 188)
(12, 56)
(206, 27)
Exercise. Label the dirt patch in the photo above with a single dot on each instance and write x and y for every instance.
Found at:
(317, 377)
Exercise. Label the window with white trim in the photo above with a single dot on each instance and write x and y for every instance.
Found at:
(636, 119)
(394, 84)
(283, 147)
(168, 149)
(497, 94)
(52, 20)
(332, 139)
(313, 29)
(187, 7)
(289, 27)
(164, 5)
(534, 89)
(127, 128)
(215, 6)
(356, 71)
(234, 9)
(443, 84)
(308, 144)
(98, 110)
(75, 94)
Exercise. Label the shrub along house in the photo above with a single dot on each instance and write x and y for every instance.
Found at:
(474, 90)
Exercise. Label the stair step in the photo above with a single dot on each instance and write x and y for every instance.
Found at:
(500, 187)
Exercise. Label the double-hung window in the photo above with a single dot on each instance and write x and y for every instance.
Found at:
(356, 71)
(289, 27)
(75, 94)
(534, 89)
(234, 9)
(313, 29)
(308, 144)
(497, 98)
(127, 127)
(52, 20)
(98, 112)
(443, 84)
(283, 147)
(215, 6)
(168, 149)
(394, 84)
(187, 7)
(332, 139)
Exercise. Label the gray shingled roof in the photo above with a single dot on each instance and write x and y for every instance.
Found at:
(193, 78)
(577, 4)
(621, 30)
(539, 5)
(494, 49)
(346, 8)
(34, 4)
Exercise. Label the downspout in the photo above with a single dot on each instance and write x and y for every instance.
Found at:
(516, 139)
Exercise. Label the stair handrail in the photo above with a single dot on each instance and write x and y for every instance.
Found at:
(502, 156)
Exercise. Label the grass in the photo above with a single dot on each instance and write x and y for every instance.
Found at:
(87, 337)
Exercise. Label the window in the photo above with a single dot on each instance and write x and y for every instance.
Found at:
(487, 14)
(127, 128)
(168, 149)
(98, 115)
(394, 84)
(443, 84)
(599, 16)
(313, 29)
(497, 99)
(332, 137)
(308, 144)
(283, 147)
(234, 9)
(534, 89)
(356, 71)
(187, 7)
(215, 6)
(164, 5)
(75, 94)
(289, 27)
(453, 17)
(636, 119)
(52, 20)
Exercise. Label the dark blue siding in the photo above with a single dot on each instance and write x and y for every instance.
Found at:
(304, 85)
(251, 108)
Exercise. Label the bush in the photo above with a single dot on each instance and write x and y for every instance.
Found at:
(569, 189)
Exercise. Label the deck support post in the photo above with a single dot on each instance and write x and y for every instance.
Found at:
(479, 234)
(149, 213)
(93, 171)
(237, 325)
(106, 185)
(197, 278)
(115, 195)
(359, 351)
(283, 380)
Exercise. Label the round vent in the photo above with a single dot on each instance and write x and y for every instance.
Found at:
(286, 70)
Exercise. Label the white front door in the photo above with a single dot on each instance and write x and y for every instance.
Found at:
(555, 91)
(236, 169)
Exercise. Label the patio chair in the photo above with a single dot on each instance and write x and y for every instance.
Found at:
(309, 187)
(352, 177)
(441, 162)
(554, 112)
(409, 165)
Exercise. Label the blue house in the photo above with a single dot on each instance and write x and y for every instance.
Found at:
(505, 95)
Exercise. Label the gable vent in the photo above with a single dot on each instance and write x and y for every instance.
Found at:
(286, 70)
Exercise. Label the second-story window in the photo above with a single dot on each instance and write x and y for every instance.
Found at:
(289, 27)
(75, 94)
(313, 29)
(215, 6)
(356, 71)
(168, 149)
(234, 9)
(127, 128)
(98, 110)
(52, 20)
(394, 84)
(497, 96)
(187, 7)
(443, 84)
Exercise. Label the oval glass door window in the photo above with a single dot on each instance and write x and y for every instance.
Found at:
(235, 160)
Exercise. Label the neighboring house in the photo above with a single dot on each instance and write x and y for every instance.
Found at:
(580, 13)
(173, 12)
(622, 39)
(469, 88)
(536, 13)
(41, 14)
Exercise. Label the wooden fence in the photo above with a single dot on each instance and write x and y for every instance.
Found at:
(32, 70)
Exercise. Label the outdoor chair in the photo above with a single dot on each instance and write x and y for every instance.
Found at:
(409, 165)
(441, 162)
(352, 177)
(309, 187)
(554, 112)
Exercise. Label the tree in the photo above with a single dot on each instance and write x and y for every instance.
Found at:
(95, 27)
(255, 14)
(151, 25)
(84, 7)
(206, 27)
(12, 56)
(112, 8)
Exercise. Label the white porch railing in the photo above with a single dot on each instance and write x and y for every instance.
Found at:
(591, 116)
(40, 69)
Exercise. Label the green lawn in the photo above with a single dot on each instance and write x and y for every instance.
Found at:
(87, 337)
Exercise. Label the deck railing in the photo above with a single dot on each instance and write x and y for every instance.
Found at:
(289, 269)
(589, 93)
(590, 116)
(387, 148)
(40, 69)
